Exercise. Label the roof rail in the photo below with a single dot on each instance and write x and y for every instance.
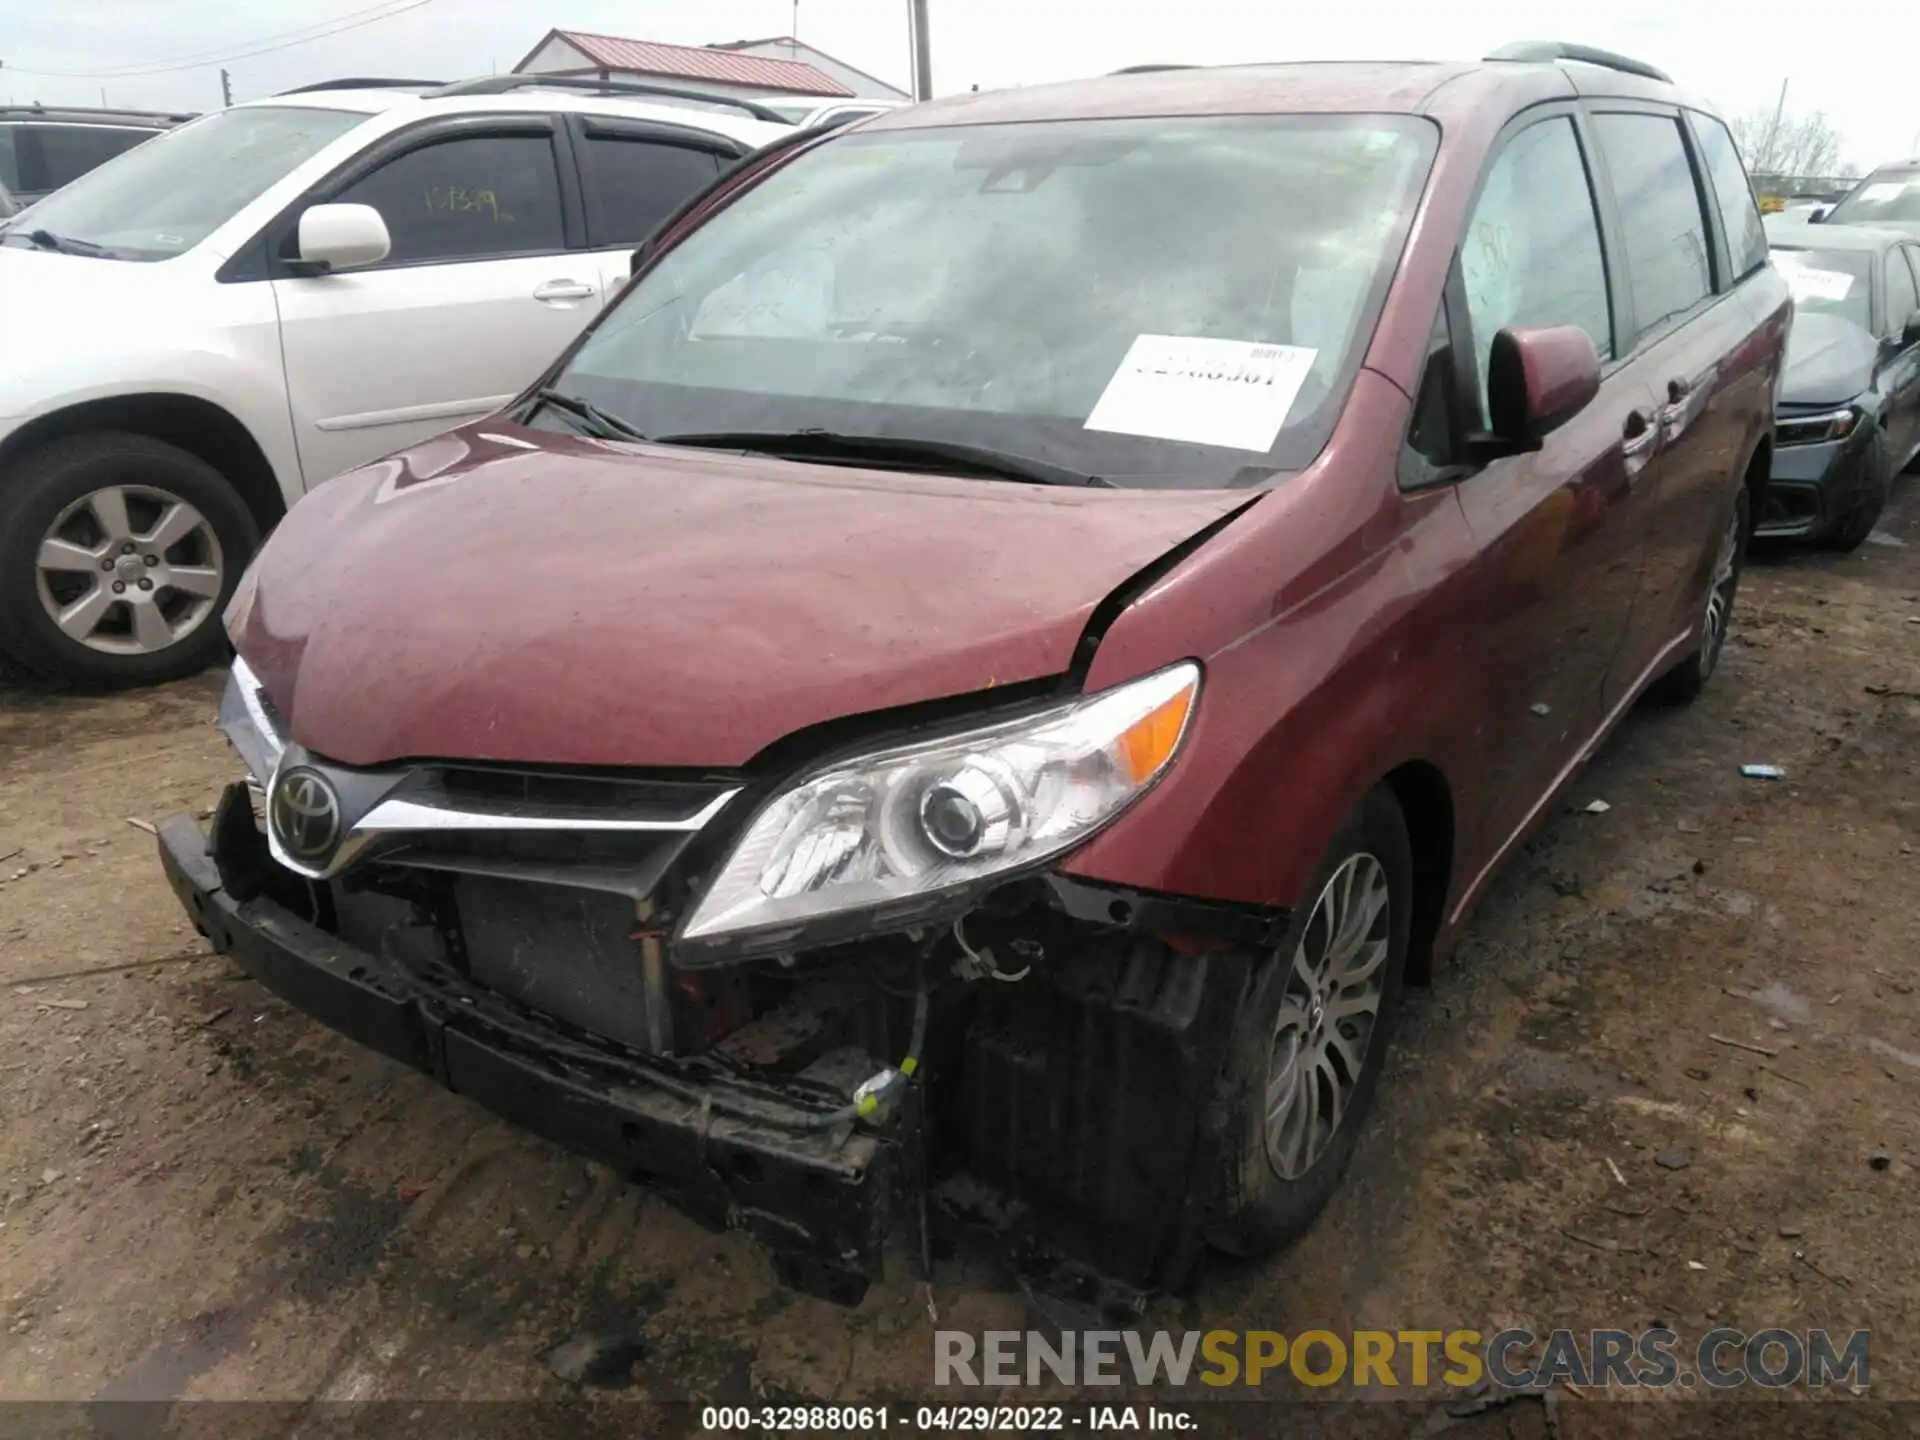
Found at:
(364, 82)
(39, 107)
(1149, 69)
(504, 84)
(1550, 50)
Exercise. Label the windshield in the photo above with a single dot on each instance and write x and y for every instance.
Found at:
(164, 197)
(1889, 197)
(1829, 282)
(1156, 302)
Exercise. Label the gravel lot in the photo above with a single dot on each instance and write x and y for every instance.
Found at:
(205, 1195)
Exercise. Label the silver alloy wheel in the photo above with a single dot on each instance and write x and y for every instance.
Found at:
(1327, 1014)
(1720, 595)
(130, 570)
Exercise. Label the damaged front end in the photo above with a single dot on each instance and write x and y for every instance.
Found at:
(830, 1010)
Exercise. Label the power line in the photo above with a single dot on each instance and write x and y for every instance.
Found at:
(216, 54)
(353, 20)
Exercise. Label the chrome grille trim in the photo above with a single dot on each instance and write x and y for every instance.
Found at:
(409, 816)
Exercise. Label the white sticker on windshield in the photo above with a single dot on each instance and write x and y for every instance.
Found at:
(1207, 392)
(1883, 191)
(1806, 284)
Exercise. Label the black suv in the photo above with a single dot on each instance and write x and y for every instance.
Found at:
(43, 148)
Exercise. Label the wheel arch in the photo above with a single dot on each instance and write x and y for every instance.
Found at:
(1759, 469)
(200, 427)
(1426, 803)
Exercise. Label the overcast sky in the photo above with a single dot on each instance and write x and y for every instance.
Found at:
(1733, 51)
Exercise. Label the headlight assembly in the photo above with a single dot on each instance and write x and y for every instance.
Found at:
(900, 831)
(1814, 429)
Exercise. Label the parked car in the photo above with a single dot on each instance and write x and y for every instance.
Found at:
(43, 147)
(809, 112)
(1029, 622)
(283, 290)
(1849, 405)
(1889, 198)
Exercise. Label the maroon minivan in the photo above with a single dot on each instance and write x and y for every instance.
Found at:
(969, 691)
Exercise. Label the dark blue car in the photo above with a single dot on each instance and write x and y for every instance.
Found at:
(1848, 418)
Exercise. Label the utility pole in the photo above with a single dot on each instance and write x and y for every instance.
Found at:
(922, 50)
(226, 89)
(1773, 130)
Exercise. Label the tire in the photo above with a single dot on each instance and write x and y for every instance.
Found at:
(1858, 506)
(1682, 684)
(174, 541)
(1255, 1208)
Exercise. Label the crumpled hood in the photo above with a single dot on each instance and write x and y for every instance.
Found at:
(1829, 360)
(502, 594)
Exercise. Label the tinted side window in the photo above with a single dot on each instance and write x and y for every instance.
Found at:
(1902, 300)
(1733, 193)
(1531, 253)
(69, 151)
(474, 198)
(9, 162)
(1665, 231)
(633, 184)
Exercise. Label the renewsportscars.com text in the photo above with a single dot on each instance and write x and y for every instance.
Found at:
(1719, 1359)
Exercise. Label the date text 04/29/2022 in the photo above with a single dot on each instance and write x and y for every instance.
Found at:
(876, 1419)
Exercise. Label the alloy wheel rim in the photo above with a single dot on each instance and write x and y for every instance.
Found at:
(1328, 1013)
(1720, 593)
(129, 570)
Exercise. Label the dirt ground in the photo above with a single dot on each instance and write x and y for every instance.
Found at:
(206, 1195)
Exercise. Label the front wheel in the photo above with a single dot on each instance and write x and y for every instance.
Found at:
(1307, 1049)
(1858, 505)
(117, 554)
(1683, 684)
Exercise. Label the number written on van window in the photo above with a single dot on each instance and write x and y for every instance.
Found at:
(474, 198)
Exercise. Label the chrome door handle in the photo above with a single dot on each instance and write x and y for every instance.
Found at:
(563, 290)
(1640, 436)
(1684, 397)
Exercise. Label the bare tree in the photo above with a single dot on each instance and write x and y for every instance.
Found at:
(1783, 144)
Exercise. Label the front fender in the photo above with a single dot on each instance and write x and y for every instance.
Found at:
(1343, 659)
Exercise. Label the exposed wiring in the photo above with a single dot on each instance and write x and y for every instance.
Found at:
(876, 1092)
(982, 960)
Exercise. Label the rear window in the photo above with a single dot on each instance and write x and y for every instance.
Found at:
(1167, 302)
(1887, 197)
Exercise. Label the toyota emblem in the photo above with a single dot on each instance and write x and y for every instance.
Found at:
(305, 814)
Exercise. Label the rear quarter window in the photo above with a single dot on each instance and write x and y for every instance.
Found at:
(1733, 195)
(1665, 229)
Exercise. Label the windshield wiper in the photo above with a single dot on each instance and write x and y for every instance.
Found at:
(829, 445)
(587, 416)
(47, 240)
